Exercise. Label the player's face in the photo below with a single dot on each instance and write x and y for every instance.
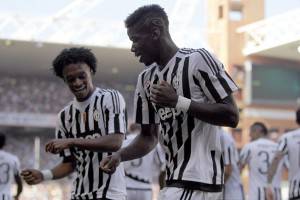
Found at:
(143, 46)
(79, 79)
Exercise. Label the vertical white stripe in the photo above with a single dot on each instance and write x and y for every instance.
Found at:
(96, 171)
(90, 114)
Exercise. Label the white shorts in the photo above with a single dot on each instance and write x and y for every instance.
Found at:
(173, 193)
(136, 194)
(233, 193)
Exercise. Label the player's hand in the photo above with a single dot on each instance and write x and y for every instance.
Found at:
(163, 94)
(269, 193)
(32, 176)
(58, 145)
(110, 163)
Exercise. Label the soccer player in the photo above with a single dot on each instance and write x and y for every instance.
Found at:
(89, 127)
(188, 93)
(289, 144)
(233, 189)
(141, 172)
(9, 172)
(258, 155)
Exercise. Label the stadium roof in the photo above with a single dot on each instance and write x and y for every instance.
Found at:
(278, 36)
(28, 44)
(72, 23)
(35, 58)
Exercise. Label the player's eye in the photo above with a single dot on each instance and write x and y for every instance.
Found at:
(70, 80)
(82, 76)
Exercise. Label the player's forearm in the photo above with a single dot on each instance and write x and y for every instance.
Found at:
(107, 143)
(19, 185)
(221, 114)
(273, 167)
(241, 166)
(139, 147)
(62, 170)
(227, 172)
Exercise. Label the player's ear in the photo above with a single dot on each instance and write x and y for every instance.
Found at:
(156, 27)
(155, 33)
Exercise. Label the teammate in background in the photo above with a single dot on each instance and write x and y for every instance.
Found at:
(289, 144)
(233, 189)
(141, 172)
(258, 155)
(9, 171)
(89, 127)
(188, 93)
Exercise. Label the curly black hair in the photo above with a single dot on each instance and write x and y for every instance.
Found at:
(144, 12)
(73, 56)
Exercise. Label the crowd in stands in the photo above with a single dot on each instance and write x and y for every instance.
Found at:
(40, 95)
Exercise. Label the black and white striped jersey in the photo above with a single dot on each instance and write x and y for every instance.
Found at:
(233, 188)
(102, 114)
(289, 144)
(9, 168)
(193, 149)
(259, 155)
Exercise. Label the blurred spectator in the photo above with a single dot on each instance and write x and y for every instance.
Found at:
(40, 95)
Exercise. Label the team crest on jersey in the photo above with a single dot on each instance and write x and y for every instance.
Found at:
(96, 115)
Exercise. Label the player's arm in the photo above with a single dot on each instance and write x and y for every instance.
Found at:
(111, 141)
(244, 157)
(241, 166)
(227, 172)
(140, 146)
(274, 165)
(222, 113)
(19, 186)
(271, 172)
(211, 80)
(34, 176)
(106, 143)
(227, 155)
(162, 179)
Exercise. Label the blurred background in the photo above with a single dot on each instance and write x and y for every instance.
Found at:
(257, 40)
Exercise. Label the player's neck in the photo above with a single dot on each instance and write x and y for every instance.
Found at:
(168, 50)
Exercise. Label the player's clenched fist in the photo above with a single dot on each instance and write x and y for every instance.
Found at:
(58, 145)
(110, 163)
(32, 176)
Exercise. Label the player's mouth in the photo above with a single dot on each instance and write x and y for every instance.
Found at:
(79, 90)
(139, 57)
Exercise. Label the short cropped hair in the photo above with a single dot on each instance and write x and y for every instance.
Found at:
(2, 140)
(146, 12)
(262, 126)
(74, 56)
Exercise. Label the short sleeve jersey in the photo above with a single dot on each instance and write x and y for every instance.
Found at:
(102, 114)
(259, 155)
(9, 168)
(193, 149)
(289, 144)
(231, 157)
